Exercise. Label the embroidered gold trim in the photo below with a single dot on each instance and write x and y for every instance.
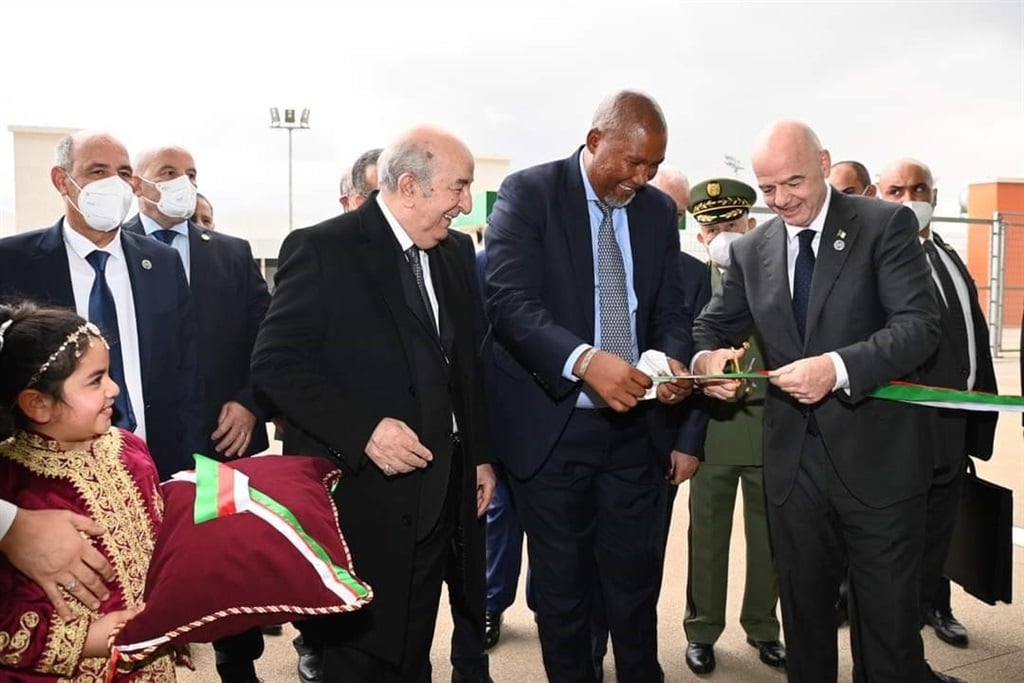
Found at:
(112, 498)
(13, 646)
(64, 645)
(709, 204)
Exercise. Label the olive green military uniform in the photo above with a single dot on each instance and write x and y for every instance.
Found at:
(732, 456)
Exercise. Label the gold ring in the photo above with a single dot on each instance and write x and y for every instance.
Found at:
(388, 470)
(71, 585)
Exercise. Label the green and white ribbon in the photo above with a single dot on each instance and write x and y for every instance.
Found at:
(920, 394)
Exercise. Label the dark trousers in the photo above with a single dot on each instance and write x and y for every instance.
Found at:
(344, 663)
(504, 548)
(594, 521)
(820, 522)
(236, 656)
(943, 505)
(467, 648)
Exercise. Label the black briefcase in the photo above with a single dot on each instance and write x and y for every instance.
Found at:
(981, 554)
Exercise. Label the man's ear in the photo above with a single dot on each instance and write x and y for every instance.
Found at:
(60, 180)
(407, 184)
(870, 191)
(751, 223)
(36, 406)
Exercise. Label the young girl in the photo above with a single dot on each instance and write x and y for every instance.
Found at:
(56, 401)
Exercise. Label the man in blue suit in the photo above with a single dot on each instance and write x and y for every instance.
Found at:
(133, 287)
(582, 277)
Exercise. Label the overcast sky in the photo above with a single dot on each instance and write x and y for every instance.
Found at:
(941, 81)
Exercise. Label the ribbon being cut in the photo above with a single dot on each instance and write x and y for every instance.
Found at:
(905, 392)
(249, 543)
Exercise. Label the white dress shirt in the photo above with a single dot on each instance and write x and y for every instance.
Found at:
(964, 304)
(82, 277)
(792, 250)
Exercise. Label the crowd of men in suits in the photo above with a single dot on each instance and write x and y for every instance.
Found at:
(447, 386)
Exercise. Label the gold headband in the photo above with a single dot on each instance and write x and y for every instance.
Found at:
(89, 330)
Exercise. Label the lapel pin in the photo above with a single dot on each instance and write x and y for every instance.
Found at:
(839, 245)
(147, 264)
(204, 237)
(841, 234)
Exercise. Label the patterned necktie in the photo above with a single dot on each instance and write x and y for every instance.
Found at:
(412, 254)
(165, 236)
(103, 313)
(802, 276)
(616, 328)
(954, 309)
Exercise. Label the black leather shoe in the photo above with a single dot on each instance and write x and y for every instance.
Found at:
(939, 677)
(700, 658)
(947, 628)
(311, 668)
(772, 652)
(492, 629)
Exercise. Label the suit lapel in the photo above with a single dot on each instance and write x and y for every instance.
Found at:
(142, 296)
(380, 250)
(838, 237)
(574, 214)
(200, 258)
(52, 257)
(771, 250)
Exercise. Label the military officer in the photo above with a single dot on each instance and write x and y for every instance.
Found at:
(731, 459)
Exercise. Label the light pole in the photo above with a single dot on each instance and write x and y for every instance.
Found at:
(289, 124)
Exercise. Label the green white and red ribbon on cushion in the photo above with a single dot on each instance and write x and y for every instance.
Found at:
(920, 394)
(223, 490)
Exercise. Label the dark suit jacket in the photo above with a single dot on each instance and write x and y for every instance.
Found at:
(963, 432)
(697, 289)
(335, 355)
(34, 265)
(230, 300)
(540, 301)
(873, 302)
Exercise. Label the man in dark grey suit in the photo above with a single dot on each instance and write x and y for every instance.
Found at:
(962, 361)
(841, 293)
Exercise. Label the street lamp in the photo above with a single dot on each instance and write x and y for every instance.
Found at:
(289, 124)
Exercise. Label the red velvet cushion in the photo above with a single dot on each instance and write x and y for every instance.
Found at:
(237, 571)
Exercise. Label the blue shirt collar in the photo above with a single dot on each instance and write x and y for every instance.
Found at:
(151, 226)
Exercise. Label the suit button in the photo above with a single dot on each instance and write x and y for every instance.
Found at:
(412, 391)
(406, 521)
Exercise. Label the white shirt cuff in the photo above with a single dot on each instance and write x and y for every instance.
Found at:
(842, 377)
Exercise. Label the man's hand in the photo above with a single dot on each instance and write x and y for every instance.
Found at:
(677, 390)
(48, 547)
(485, 483)
(682, 467)
(234, 429)
(808, 380)
(616, 381)
(713, 363)
(395, 448)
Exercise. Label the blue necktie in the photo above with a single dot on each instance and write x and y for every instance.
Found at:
(616, 330)
(802, 276)
(103, 313)
(165, 236)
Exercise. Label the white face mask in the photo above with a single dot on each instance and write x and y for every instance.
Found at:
(177, 197)
(718, 248)
(104, 203)
(923, 211)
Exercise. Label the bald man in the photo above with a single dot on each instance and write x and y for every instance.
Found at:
(132, 287)
(384, 380)
(582, 277)
(851, 177)
(962, 361)
(840, 290)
